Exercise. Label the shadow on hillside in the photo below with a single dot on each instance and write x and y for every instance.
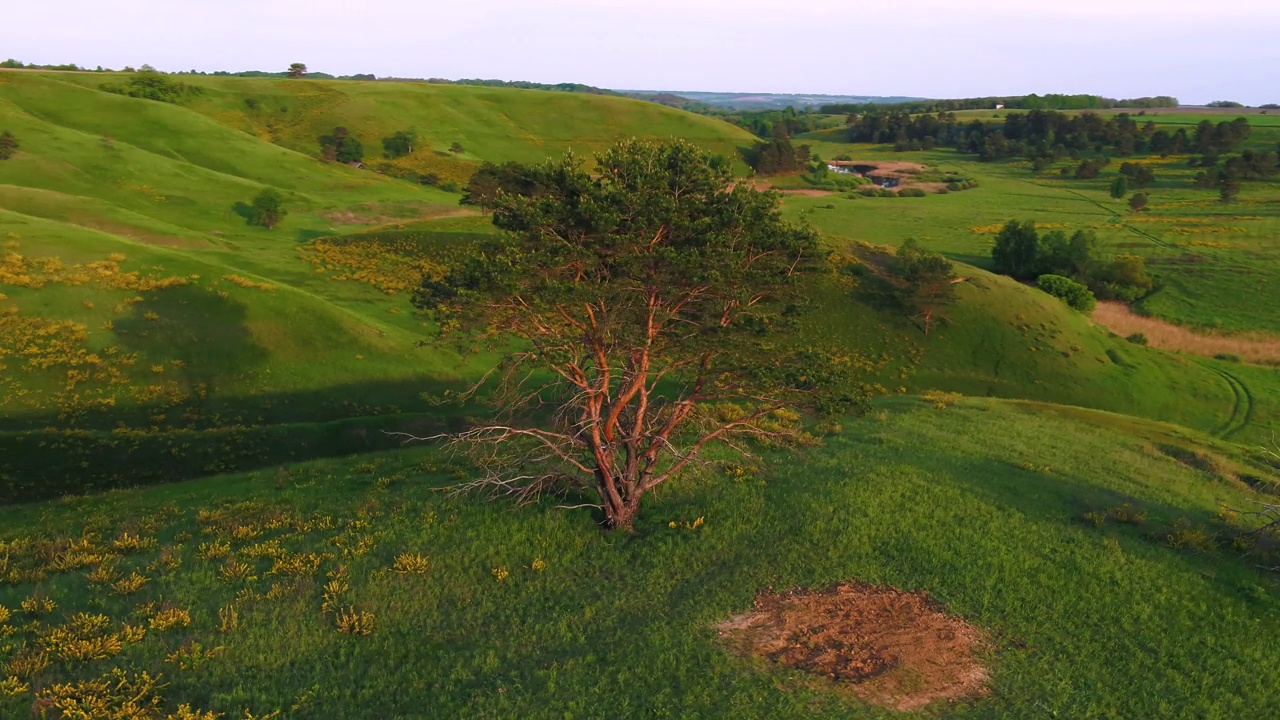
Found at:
(207, 335)
(1050, 494)
(44, 456)
(306, 236)
(244, 210)
(978, 261)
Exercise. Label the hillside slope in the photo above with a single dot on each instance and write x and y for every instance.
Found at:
(141, 299)
(494, 124)
(475, 609)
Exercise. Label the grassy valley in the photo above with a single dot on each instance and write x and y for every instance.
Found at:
(1081, 498)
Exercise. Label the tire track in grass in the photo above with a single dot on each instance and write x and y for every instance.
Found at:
(1118, 216)
(1241, 411)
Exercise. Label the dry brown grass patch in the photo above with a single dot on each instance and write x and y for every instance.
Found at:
(889, 647)
(1253, 348)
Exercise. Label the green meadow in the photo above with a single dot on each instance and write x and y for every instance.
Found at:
(1080, 498)
(473, 609)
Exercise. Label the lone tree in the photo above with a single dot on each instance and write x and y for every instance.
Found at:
(1139, 202)
(297, 70)
(654, 303)
(341, 146)
(8, 145)
(267, 209)
(1229, 188)
(399, 145)
(923, 282)
(1017, 250)
(1120, 187)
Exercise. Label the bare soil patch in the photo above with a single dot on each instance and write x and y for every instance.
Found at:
(1253, 348)
(889, 647)
(883, 168)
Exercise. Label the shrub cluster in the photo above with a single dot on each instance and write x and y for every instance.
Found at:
(150, 84)
(1069, 291)
(1023, 253)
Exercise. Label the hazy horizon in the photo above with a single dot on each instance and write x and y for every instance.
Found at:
(931, 49)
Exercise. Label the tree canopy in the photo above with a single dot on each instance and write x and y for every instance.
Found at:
(1022, 252)
(654, 300)
(267, 209)
(297, 70)
(341, 146)
(150, 84)
(923, 281)
(399, 145)
(777, 155)
(491, 181)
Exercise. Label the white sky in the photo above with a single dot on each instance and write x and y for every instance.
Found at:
(1197, 50)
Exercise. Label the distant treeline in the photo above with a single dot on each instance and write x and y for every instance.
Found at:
(72, 67)
(522, 84)
(525, 85)
(1041, 134)
(769, 123)
(1021, 102)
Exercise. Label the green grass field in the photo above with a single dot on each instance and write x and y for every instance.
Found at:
(1217, 264)
(537, 614)
(149, 335)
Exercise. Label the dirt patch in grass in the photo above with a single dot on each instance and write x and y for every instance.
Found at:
(889, 647)
(883, 167)
(1253, 348)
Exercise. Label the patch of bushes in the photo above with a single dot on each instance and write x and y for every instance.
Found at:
(1074, 294)
(1185, 536)
(341, 146)
(399, 145)
(821, 177)
(1022, 252)
(1089, 169)
(959, 185)
(1137, 338)
(1227, 357)
(941, 399)
(1125, 514)
(150, 84)
(777, 156)
(1139, 176)
(884, 193)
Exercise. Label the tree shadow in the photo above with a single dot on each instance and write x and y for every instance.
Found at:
(243, 209)
(305, 236)
(201, 334)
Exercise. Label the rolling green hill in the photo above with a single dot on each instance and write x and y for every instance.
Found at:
(136, 296)
(139, 299)
(998, 510)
